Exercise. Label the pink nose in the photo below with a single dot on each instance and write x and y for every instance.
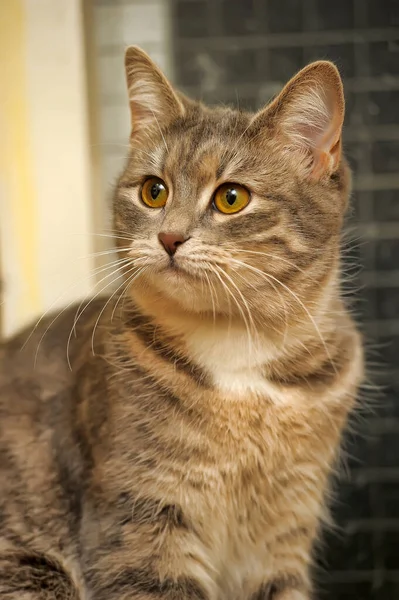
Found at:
(171, 241)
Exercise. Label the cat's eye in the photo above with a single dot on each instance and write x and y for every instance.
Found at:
(154, 192)
(230, 198)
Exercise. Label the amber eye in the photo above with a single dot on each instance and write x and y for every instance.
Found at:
(154, 192)
(231, 198)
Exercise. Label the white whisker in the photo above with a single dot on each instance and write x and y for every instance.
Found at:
(79, 312)
(110, 251)
(212, 268)
(279, 295)
(274, 257)
(94, 273)
(120, 263)
(62, 312)
(211, 291)
(160, 130)
(125, 283)
(219, 271)
(310, 316)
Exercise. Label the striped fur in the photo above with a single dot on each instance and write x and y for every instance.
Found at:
(187, 452)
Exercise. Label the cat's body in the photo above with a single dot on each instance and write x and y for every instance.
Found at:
(188, 455)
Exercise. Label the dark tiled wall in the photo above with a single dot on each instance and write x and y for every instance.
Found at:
(241, 52)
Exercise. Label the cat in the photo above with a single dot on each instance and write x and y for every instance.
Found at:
(176, 440)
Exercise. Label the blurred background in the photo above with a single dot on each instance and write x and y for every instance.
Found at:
(64, 126)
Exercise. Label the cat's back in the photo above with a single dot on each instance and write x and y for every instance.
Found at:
(37, 384)
(37, 361)
(33, 371)
(40, 461)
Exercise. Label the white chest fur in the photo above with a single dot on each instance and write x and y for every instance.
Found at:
(234, 360)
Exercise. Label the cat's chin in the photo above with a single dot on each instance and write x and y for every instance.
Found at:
(179, 272)
(173, 270)
(183, 287)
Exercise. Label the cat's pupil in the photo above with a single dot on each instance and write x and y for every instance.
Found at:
(155, 190)
(231, 196)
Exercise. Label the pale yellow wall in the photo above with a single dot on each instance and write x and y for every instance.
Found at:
(18, 222)
(45, 188)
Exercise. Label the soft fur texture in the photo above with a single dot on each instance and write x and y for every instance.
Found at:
(187, 452)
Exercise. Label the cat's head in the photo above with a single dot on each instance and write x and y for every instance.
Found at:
(225, 207)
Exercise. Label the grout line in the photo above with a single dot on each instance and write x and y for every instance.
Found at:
(380, 279)
(386, 181)
(381, 425)
(386, 327)
(365, 133)
(284, 40)
(360, 84)
(371, 524)
(377, 230)
(345, 577)
(375, 475)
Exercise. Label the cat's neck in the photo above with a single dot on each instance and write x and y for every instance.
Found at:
(234, 354)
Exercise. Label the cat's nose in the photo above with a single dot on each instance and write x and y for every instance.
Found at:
(171, 241)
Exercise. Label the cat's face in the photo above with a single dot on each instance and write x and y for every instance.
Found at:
(225, 207)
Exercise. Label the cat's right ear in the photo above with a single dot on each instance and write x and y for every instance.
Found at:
(153, 102)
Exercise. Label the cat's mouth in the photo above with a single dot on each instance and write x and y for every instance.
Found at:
(179, 269)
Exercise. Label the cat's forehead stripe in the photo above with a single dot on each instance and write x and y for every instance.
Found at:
(205, 149)
(195, 169)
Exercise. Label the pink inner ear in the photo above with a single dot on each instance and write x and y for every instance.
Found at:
(329, 147)
(313, 121)
(311, 134)
(333, 132)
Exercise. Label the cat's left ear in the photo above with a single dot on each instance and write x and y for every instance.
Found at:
(153, 102)
(308, 116)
